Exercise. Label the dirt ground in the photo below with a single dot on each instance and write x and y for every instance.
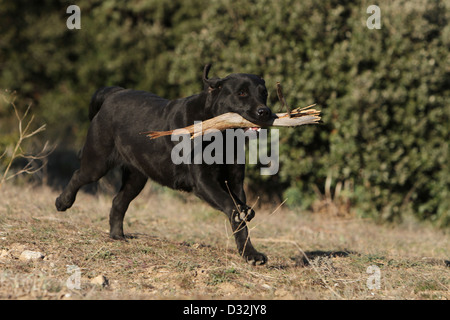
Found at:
(180, 248)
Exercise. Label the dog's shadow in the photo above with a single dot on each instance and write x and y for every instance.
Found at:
(305, 259)
(299, 261)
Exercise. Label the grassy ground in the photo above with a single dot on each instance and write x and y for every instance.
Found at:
(182, 249)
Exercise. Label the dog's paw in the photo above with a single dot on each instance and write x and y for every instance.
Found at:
(256, 258)
(62, 205)
(118, 236)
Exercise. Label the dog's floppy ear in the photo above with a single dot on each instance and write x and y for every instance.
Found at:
(210, 84)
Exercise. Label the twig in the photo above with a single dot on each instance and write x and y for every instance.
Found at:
(240, 227)
(17, 151)
(276, 209)
(282, 100)
(231, 195)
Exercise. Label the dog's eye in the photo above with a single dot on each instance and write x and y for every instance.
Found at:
(242, 93)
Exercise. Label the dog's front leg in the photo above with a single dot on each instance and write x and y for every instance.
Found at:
(237, 212)
(242, 238)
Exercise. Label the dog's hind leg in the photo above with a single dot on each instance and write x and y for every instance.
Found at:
(94, 165)
(133, 181)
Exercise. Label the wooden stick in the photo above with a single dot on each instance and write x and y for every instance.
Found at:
(297, 117)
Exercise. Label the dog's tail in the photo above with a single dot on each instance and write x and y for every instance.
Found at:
(96, 103)
(98, 98)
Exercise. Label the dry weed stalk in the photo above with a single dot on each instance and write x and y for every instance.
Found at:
(25, 132)
(242, 225)
(282, 100)
(338, 203)
(325, 282)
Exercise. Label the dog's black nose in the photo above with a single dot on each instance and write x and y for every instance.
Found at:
(264, 112)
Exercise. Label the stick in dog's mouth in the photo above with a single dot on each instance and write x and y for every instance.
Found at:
(231, 120)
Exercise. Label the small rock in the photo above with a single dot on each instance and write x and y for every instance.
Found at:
(28, 255)
(4, 255)
(100, 280)
(266, 286)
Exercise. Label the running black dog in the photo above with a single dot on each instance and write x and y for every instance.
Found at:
(118, 116)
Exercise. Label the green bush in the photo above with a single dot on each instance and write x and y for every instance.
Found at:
(384, 92)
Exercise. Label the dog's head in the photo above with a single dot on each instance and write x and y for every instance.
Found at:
(245, 94)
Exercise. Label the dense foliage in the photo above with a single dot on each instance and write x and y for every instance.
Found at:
(384, 92)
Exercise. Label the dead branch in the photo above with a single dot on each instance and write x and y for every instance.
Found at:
(24, 133)
(31, 167)
(297, 117)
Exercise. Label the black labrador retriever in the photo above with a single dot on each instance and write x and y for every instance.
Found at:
(118, 116)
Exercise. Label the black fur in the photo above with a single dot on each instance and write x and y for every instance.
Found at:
(118, 116)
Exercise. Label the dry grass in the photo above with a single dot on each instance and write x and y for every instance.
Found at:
(182, 249)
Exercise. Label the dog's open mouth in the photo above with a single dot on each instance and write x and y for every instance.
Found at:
(256, 129)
